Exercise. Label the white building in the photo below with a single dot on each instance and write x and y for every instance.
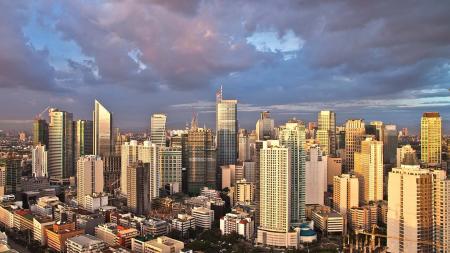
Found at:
(203, 217)
(328, 222)
(183, 223)
(316, 176)
(89, 177)
(39, 161)
(345, 193)
(95, 201)
(241, 223)
(85, 244)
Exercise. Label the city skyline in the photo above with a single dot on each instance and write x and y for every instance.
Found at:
(354, 59)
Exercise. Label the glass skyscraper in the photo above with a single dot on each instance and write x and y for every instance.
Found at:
(60, 145)
(103, 131)
(158, 129)
(83, 138)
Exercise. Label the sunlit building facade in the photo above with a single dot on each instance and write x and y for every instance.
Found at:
(226, 131)
(103, 130)
(60, 162)
(431, 138)
(326, 131)
(354, 132)
(158, 129)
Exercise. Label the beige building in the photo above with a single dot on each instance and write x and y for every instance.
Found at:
(410, 209)
(345, 193)
(369, 169)
(363, 217)
(129, 155)
(354, 132)
(244, 191)
(316, 175)
(431, 138)
(170, 160)
(89, 177)
(275, 197)
(401, 153)
(162, 244)
(334, 168)
(441, 207)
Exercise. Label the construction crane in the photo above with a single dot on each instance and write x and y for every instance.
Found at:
(39, 115)
(373, 235)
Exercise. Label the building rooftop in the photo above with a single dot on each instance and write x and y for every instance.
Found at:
(85, 240)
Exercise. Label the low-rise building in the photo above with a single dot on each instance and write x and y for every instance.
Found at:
(183, 223)
(58, 233)
(363, 217)
(328, 222)
(95, 201)
(162, 244)
(203, 217)
(241, 223)
(85, 244)
(39, 225)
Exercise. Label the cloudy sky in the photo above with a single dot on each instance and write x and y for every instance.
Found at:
(377, 60)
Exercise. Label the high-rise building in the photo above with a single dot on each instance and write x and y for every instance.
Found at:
(390, 144)
(326, 132)
(316, 174)
(89, 177)
(345, 193)
(201, 169)
(265, 127)
(148, 152)
(103, 130)
(410, 209)
(275, 196)
(402, 152)
(39, 161)
(379, 130)
(83, 138)
(158, 129)
(334, 168)
(170, 167)
(244, 146)
(354, 132)
(430, 138)
(369, 170)
(129, 155)
(226, 131)
(245, 191)
(138, 197)
(111, 173)
(40, 132)
(60, 161)
(13, 174)
(441, 207)
(292, 136)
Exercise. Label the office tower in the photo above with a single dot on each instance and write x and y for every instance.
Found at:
(12, 176)
(40, 132)
(226, 130)
(60, 161)
(111, 173)
(158, 129)
(369, 170)
(441, 207)
(83, 138)
(354, 131)
(292, 136)
(326, 132)
(275, 196)
(89, 177)
(345, 193)
(129, 155)
(244, 146)
(379, 130)
(410, 209)
(39, 161)
(201, 169)
(103, 130)
(390, 144)
(265, 127)
(148, 152)
(430, 138)
(138, 197)
(170, 167)
(316, 175)
(401, 153)
(340, 138)
(334, 168)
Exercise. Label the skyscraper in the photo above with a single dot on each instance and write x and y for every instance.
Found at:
(103, 130)
(40, 132)
(316, 175)
(292, 136)
(379, 130)
(354, 131)
(390, 144)
(39, 161)
(265, 127)
(201, 169)
(226, 131)
(402, 152)
(244, 146)
(441, 207)
(410, 210)
(60, 145)
(345, 193)
(326, 132)
(83, 138)
(430, 138)
(148, 152)
(89, 177)
(111, 173)
(13, 174)
(275, 196)
(369, 170)
(170, 167)
(138, 197)
(158, 129)
(129, 155)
